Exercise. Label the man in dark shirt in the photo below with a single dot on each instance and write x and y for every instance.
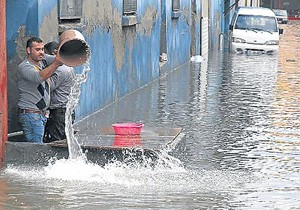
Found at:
(61, 82)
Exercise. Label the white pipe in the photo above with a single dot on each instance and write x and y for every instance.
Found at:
(18, 133)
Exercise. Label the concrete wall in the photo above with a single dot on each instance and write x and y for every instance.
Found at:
(123, 58)
(253, 3)
(281, 4)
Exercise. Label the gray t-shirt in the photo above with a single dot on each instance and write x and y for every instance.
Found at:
(34, 92)
(61, 82)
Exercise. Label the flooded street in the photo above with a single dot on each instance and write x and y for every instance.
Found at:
(239, 148)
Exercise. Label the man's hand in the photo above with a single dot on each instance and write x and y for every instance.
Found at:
(47, 72)
(58, 60)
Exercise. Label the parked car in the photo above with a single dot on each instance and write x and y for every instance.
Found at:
(254, 29)
(281, 15)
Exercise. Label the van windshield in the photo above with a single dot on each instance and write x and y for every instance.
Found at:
(280, 12)
(259, 23)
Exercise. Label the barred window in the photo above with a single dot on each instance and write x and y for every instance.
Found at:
(129, 7)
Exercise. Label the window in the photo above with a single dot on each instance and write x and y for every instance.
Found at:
(176, 12)
(70, 11)
(175, 5)
(129, 17)
(129, 7)
(256, 23)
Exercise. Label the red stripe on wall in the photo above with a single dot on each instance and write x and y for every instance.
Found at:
(3, 81)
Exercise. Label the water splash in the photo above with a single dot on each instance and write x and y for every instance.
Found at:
(128, 172)
(135, 158)
(74, 148)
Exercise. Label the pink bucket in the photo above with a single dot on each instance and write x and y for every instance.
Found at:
(127, 128)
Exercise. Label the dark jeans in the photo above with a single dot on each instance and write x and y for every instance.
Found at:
(55, 126)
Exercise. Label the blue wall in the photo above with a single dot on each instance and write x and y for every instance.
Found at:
(178, 34)
(140, 65)
(123, 58)
(216, 23)
(20, 13)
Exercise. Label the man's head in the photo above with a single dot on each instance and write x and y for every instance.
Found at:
(51, 48)
(35, 49)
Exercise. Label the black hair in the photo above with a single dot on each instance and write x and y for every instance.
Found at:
(50, 47)
(31, 40)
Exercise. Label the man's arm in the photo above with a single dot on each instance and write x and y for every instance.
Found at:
(48, 71)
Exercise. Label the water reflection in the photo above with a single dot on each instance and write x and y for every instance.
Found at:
(127, 141)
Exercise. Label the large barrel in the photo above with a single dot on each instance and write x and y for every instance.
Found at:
(73, 49)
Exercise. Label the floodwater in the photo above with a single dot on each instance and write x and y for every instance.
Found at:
(239, 148)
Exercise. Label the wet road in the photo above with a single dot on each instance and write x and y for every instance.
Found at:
(240, 149)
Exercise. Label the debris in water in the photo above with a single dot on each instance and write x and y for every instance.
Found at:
(197, 59)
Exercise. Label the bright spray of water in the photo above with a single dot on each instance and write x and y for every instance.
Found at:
(74, 148)
(132, 173)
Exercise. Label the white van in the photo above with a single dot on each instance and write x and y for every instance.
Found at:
(281, 16)
(254, 29)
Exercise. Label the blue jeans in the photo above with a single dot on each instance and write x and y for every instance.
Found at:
(33, 126)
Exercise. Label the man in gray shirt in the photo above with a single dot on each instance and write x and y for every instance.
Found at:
(34, 89)
(61, 82)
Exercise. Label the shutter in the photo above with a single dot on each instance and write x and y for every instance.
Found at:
(70, 9)
(129, 7)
